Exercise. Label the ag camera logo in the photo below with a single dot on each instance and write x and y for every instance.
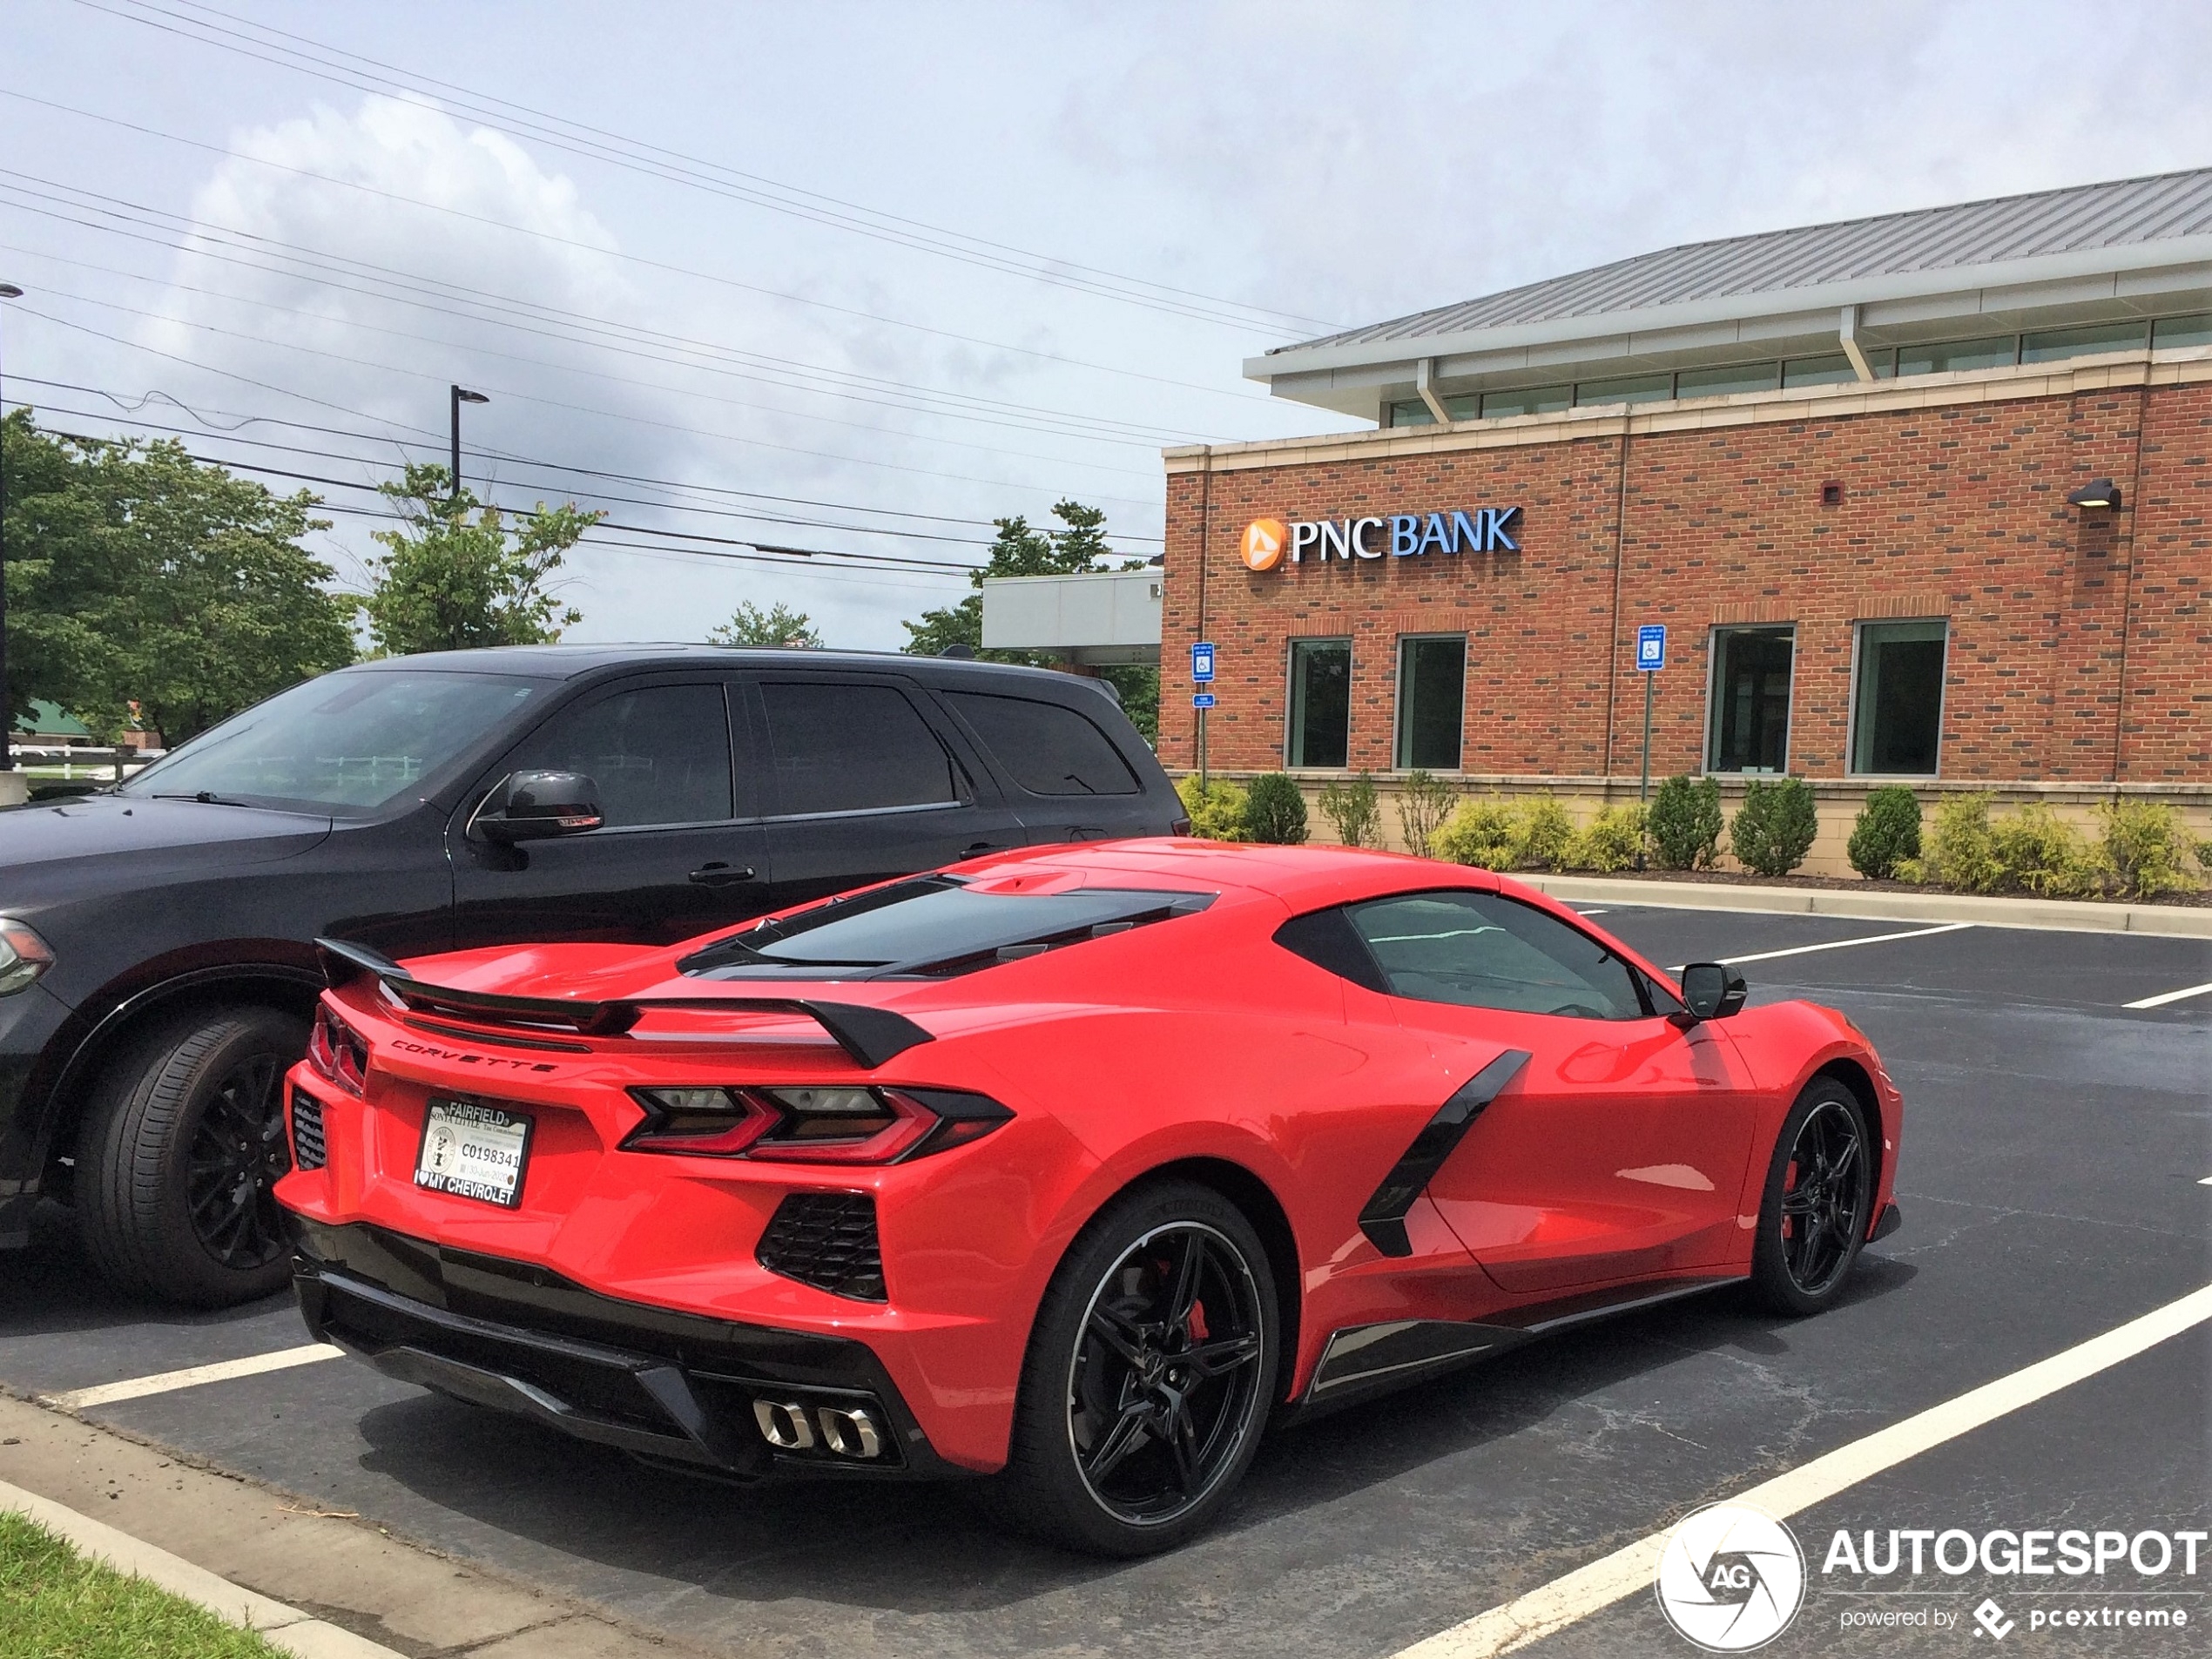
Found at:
(1730, 1578)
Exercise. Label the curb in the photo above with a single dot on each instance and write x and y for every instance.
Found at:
(2057, 915)
(283, 1627)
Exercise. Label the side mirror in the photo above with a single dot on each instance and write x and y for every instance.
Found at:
(537, 806)
(1712, 990)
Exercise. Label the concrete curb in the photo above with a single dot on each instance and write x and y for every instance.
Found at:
(283, 1627)
(2062, 915)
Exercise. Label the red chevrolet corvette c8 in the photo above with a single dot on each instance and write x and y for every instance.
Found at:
(1074, 1167)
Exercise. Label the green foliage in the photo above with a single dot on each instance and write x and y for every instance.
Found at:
(1546, 831)
(1774, 827)
(1685, 823)
(1959, 850)
(457, 574)
(1275, 811)
(139, 576)
(1612, 840)
(1217, 812)
(778, 626)
(1424, 802)
(1887, 832)
(2148, 847)
(2039, 851)
(1485, 833)
(55, 1604)
(1353, 812)
(1138, 684)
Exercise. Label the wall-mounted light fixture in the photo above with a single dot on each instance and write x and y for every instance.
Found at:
(2101, 492)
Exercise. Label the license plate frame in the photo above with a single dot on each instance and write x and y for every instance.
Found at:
(462, 1163)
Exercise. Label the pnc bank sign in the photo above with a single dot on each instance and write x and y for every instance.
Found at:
(1268, 541)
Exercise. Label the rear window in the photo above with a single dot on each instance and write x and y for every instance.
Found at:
(1049, 749)
(932, 928)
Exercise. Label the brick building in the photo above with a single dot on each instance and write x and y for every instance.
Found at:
(1855, 471)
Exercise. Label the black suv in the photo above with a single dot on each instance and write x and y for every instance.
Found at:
(156, 973)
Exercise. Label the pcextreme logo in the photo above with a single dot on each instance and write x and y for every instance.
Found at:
(1731, 1578)
(1486, 529)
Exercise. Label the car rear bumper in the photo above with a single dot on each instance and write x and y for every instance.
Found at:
(709, 1395)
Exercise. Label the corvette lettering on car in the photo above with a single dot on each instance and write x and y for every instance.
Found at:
(1073, 1167)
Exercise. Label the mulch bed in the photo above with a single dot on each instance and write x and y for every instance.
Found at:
(1858, 884)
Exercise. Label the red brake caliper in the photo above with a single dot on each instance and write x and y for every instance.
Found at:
(1790, 1185)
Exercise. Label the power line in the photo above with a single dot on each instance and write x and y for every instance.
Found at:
(687, 170)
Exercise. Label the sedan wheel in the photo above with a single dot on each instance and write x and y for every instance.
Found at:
(1151, 1369)
(1818, 1201)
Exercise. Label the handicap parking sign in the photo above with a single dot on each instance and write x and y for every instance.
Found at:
(1201, 661)
(1651, 647)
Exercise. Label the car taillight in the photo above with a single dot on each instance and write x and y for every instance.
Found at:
(338, 1052)
(831, 1124)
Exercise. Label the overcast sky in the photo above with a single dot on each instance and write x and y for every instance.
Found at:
(873, 275)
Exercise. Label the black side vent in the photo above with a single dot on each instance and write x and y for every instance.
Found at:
(307, 1150)
(827, 1239)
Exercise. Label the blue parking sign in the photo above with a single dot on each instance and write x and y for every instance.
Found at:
(1651, 647)
(1201, 661)
(1202, 700)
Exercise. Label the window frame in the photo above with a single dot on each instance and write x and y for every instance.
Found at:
(1398, 758)
(1291, 705)
(1851, 711)
(1712, 681)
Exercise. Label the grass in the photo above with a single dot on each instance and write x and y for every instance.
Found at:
(55, 1604)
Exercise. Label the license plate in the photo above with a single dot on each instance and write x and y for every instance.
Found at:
(474, 1151)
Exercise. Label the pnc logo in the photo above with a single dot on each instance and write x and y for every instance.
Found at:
(1265, 539)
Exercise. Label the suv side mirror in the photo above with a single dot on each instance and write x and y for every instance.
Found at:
(537, 806)
(1712, 990)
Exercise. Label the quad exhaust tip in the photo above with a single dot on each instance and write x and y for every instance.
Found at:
(844, 1431)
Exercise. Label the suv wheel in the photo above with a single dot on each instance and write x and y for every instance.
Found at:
(180, 1146)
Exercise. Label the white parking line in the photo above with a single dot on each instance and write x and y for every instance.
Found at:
(2164, 997)
(1631, 1570)
(165, 1382)
(1592, 912)
(1845, 944)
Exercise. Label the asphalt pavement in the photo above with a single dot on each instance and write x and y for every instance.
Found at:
(2053, 1180)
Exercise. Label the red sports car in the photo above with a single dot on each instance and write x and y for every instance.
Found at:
(1074, 1166)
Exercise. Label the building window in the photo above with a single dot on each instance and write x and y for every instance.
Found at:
(1432, 686)
(1998, 352)
(1527, 400)
(2172, 334)
(1632, 388)
(1411, 412)
(1897, 714)
(1320, 732)
(1835, 369)
(1721, 383)
(1751, 699)
(2055, 343)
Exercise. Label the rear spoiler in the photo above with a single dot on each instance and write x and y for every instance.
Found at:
(874, 1037)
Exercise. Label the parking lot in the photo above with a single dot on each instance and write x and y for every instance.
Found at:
(2054, 1185)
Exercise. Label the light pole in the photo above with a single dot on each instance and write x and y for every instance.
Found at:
(460, 397)
(8, 290)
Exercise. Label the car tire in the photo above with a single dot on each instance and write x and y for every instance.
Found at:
(179, 1145)
(1817, 1203)
(1142, 1401)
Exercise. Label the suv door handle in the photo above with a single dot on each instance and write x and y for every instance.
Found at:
(975, 848)
(718, 875)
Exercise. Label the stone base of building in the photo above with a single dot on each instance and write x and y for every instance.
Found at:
(1838, 802)
(14, 790)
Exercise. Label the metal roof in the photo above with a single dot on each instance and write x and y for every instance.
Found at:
(2079, 220)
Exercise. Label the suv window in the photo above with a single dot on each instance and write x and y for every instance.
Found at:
(660, 754)
(1050, 749)
(1482, 950)
(853, 748)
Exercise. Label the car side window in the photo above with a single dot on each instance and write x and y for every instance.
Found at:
(1049, 749)
(853, 747)
(1486, 951)
(660, 754)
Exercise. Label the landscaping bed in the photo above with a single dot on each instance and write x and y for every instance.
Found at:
(55, 1604)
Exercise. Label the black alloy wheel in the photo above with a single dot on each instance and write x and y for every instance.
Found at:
(1818, 1200)
(1150, 1374)
(182, 1144)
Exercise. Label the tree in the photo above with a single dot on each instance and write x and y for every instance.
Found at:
(458, 574)
(778, 626)
(1076, 549)
(137, 575)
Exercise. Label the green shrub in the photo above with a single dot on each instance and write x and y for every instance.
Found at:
(1610, 841)
(1424, 802)
(2147, 846)
(1774, 827)
(1888, 832)
(1216, 813)
(2039, 851)
(1353, 812)
(1959, 850)
(1685, 823)
(1275, 811)
(1546, 831)
(1485, 833)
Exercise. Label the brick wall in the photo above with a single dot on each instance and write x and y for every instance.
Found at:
(1953, 506)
